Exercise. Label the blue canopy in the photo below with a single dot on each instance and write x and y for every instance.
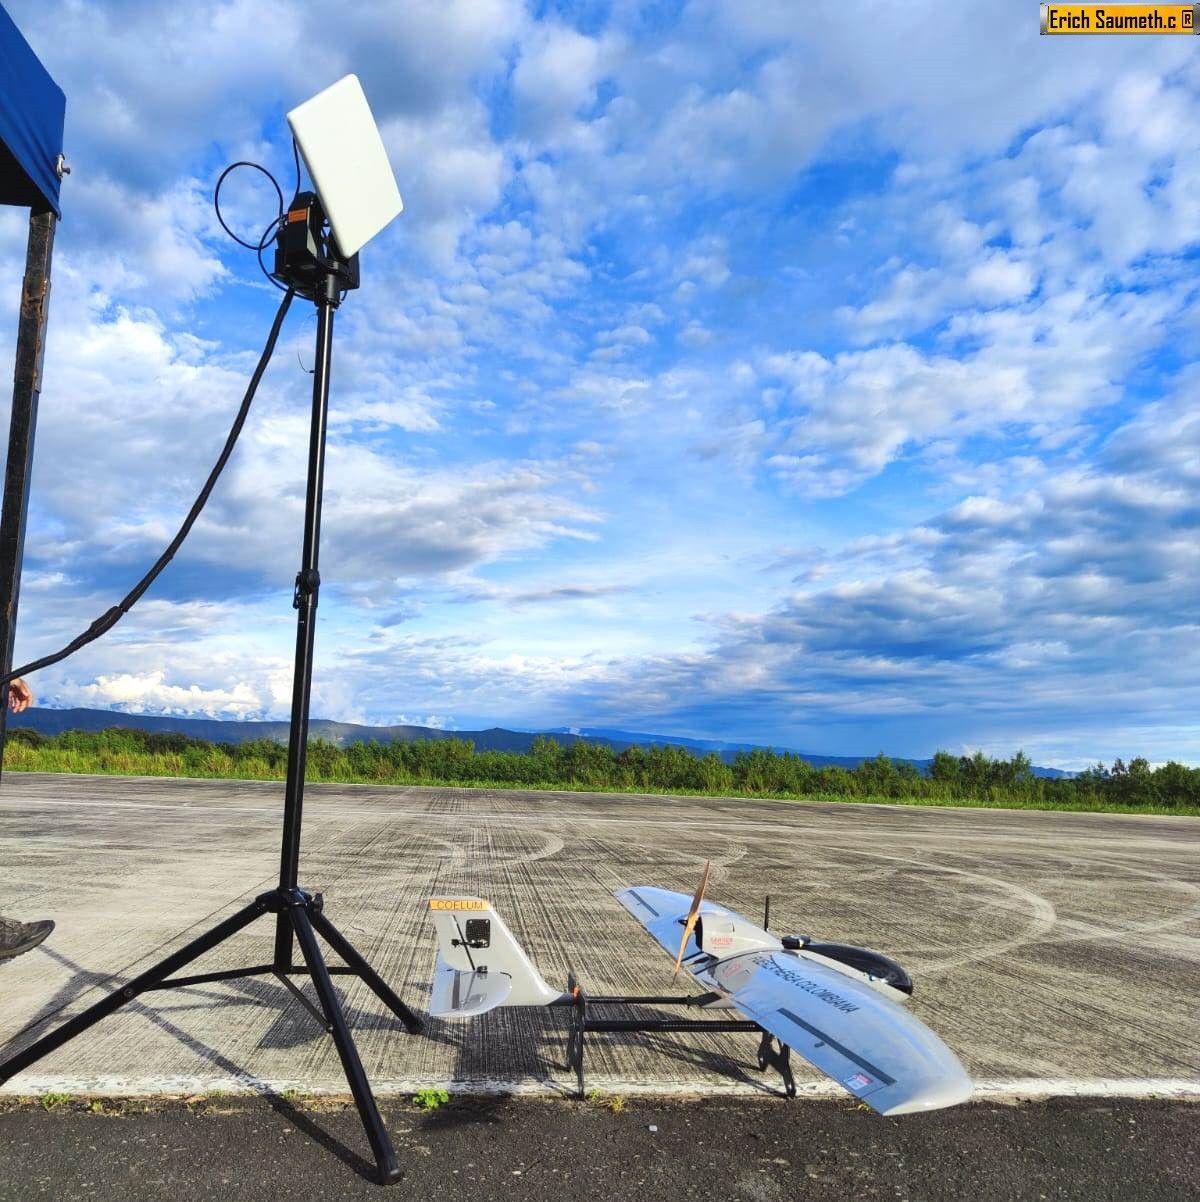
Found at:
(32, 112)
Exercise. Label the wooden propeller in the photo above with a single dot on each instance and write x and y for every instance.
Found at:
(690, 925)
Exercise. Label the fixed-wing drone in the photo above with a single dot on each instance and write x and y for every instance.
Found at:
(838, 1006)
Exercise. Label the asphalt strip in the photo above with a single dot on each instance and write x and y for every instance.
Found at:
(636, 1150)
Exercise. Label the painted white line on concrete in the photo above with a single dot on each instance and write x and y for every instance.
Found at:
(1089, 1087)
(181, 1086)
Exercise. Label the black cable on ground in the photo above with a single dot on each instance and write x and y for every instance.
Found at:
(109, 619)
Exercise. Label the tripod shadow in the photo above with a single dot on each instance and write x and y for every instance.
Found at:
(293, 1027)
(80, 982)
(287, 1030)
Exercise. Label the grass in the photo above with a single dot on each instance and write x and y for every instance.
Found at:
(430, 1099)
(96, 755)
(1070, 807)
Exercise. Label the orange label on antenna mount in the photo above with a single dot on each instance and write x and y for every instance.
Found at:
(298, 215)
(457, 903)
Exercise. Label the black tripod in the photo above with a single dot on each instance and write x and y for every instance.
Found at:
(307, 263)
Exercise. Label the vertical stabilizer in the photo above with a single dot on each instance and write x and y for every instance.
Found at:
(479, 964)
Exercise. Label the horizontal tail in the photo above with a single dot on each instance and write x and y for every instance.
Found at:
(479, 964)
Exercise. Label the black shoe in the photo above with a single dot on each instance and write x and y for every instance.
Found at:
(18, 937)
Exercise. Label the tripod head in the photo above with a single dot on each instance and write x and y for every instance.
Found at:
(306, 254)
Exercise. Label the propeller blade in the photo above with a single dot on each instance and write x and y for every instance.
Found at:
(690, 925)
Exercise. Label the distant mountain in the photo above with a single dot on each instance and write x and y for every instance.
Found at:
(215, 730)
(726, 750)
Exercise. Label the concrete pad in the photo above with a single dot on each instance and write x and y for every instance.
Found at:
(1056, 953)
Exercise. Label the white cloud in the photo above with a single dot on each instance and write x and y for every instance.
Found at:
(149, 693)
(1055, 607)
(452, 173)
(555, 77)
(153, 248)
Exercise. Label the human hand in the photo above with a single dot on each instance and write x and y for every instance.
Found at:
(20, 695)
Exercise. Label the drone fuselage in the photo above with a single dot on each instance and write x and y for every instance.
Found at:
(722, 935)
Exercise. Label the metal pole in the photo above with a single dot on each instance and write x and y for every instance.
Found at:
(27, 387)
(308, 582)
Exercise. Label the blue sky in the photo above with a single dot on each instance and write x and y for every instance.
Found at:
(815, 375)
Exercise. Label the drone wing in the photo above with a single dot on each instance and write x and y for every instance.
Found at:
(867, 1043)
(663, 913)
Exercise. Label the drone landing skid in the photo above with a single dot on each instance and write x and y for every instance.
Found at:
(582, 1021)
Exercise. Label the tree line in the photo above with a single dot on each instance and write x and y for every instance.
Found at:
(550, 764)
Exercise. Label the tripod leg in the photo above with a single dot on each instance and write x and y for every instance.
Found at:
(147, 980)
(374, 981)
(381, 1144)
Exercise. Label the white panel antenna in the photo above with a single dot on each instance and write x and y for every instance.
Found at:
(345, 156)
